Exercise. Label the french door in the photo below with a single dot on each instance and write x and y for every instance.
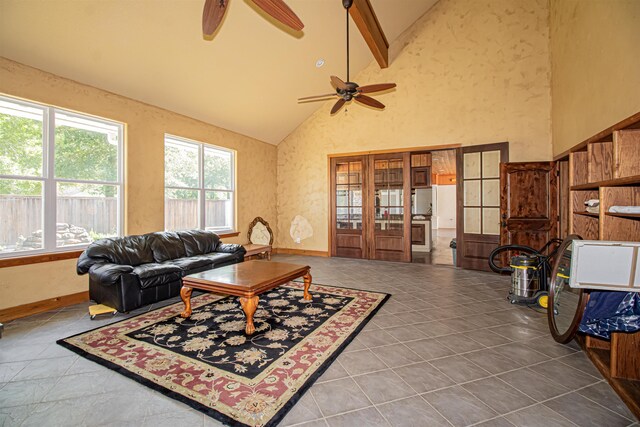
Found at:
(478, 205)
(389, 235)
(371, 207)
(348, 199)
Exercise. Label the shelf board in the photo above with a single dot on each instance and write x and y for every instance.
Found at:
(624, 215)
(585, 213)
(630, 180)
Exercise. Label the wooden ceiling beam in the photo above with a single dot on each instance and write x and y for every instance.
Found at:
(365, 18)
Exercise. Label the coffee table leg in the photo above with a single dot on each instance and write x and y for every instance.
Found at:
(307, 283)
(185, 295)
(249, 306)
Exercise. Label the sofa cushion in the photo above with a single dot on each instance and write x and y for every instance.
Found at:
(166, 245)
(218, 258)
(190, 263)
(198, 242)
(129, 250)
(154, 274)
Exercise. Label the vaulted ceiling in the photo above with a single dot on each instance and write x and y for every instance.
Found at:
(247, 79)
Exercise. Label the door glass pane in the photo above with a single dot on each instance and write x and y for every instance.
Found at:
(491, 164)
(380, 172)
(472, 220)
(355, 218)
(21, 212)
(342, 198)
(472, 193)
(342, 173)
(355, 173)
(355, 195)
(20, 140)
(218, 211)
(180, 164)
(85, 212)
(491, 220)
(395, 197)
(471, 165)
(491, 192)
(180, 209)
(342, 218)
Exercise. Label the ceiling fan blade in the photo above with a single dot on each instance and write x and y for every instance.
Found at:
(337, 83)
(337, 106)
(212, 15)
(376, 88)
(317, 97)
(280, 11)
(367, 100)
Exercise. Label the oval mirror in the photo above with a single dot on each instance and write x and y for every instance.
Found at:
(259, 232)
(566, 304)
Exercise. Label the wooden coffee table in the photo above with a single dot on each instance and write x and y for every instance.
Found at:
(246, 280)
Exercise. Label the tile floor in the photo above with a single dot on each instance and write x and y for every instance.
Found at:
(446, 350)
(440, 252)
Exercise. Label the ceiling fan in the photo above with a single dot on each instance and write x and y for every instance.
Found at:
(347, 91)
(214, 11)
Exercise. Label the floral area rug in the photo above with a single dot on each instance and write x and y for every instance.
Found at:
(209, 363)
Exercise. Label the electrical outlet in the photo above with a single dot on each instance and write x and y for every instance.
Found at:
(297, 240)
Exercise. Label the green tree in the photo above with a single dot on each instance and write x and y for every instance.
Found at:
(79, 154)
(20, 153)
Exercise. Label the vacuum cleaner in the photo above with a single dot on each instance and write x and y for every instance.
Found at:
(529, 269)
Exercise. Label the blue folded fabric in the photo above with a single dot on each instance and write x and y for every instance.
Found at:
(609, 311)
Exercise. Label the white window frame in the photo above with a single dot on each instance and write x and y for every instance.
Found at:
(201, 189)
(49, 181)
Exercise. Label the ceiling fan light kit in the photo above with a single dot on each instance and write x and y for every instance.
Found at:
(348, 91)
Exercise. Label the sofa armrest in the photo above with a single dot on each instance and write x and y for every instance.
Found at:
(231, 248)
(85, 262)
(109, 274)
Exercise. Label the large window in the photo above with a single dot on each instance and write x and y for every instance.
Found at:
(199, 186)
(60, 178)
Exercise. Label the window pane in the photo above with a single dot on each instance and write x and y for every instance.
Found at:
(85, 212)
(20, 139)
(85, 149)
(180, 209)
(218, 211)
(21, 220)
(217, 169)
(180, 164)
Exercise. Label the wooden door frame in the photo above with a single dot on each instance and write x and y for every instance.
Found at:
(504, 158)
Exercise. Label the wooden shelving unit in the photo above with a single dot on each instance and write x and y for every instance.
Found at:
(607, 167)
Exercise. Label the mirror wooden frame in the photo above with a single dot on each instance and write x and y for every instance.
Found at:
(583, 298)
(263, 222)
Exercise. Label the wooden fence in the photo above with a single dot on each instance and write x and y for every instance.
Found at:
(22, 215)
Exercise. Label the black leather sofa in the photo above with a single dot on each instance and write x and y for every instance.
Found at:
(132, 271)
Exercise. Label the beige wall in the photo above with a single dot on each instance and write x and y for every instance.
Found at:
(144, 190)
(468, 72)
(595, 63)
